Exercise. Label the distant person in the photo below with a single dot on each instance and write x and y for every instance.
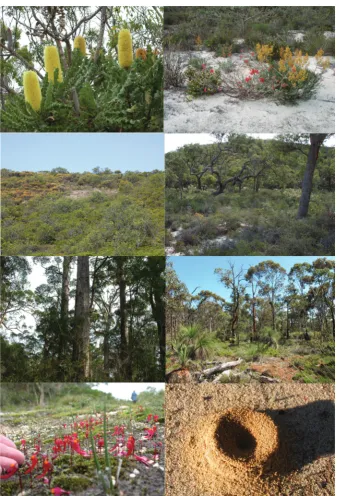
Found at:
(134, 397)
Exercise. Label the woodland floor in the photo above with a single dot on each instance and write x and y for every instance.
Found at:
(25, 425)
(302, 465)
(222, 113)
(289, 364)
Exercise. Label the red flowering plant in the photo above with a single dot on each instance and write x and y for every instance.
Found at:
(203, 80)
(287, 79)
(94, 438)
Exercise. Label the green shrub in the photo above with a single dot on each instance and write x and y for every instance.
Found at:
(203, 81)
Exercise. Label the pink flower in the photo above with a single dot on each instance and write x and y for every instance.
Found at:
(262, 80)
(212, 71)
(254, 71)
(248, 79)
(246, 61)
(205, 90)
(252, 53)
(203, 66)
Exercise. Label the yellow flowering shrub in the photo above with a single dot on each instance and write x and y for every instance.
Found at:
(324, 62)
(264, 52)
(286, 79)
(198, 41)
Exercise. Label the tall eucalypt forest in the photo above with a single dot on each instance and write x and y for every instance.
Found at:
(87, 319)
(81, 69)
(246, 196)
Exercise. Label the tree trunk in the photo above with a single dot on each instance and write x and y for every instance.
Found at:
(64, 307)
(254, 324)
(158, 310)
(81, 321)
(316, 142)
(40, 387)
(124, 358)
(199, 182)
(273, 315)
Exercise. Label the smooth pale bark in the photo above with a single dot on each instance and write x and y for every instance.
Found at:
(221, 367)
(82, 321)
(158, 311)
(316, 142)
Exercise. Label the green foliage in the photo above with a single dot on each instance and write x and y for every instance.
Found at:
(203, 81)
(111, 99)
(52, 213)
(220, 26)
(255, 216)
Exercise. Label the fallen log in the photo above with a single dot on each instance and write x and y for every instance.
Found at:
(225, 373)
(221, 367)
(265, 379)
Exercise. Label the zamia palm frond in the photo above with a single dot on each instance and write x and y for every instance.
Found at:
(32, 90)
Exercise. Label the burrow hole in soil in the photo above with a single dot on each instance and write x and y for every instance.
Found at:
(234, 440)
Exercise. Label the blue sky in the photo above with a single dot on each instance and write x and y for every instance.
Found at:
(79, 152)
(199, 271)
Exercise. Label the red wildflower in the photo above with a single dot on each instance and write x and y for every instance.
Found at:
(254, 71)
(203, 66)
(7, 475)
(155, 418)
(205, 90)
(246, 61)
(34, 460)
(212, 71)
(142, 459)
(130, 445)
(262, 80)
(248, 79)
(46, 467)
(252, 53)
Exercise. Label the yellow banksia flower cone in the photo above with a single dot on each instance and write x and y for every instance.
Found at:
(141, 54)
(52, 62)
(125, 49)
(32, 90)
(80, 43)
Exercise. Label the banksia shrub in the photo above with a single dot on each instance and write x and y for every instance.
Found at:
(80, 44)
(141, 54)
(52, 62)
(32, 90)
(125, 49)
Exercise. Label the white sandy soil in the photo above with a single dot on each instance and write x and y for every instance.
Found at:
(221, 113)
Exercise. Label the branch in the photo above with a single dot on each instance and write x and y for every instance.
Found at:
(24, 61)
(101, 33)
(85, 19)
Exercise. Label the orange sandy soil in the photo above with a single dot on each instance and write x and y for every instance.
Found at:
(199, 464)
